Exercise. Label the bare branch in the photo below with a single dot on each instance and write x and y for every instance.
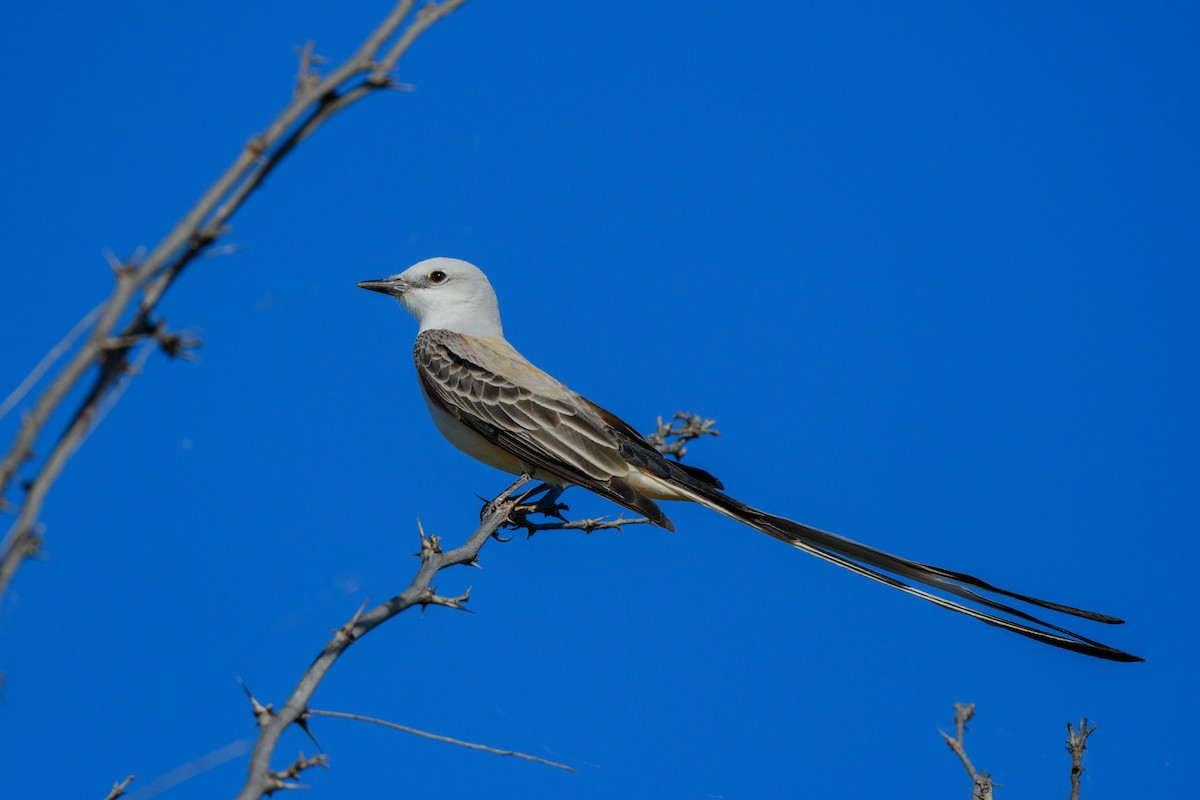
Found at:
(981, 783)
(1076, 744)
(437, 738)
(142, 282)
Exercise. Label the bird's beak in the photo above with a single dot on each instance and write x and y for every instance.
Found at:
(393, 286)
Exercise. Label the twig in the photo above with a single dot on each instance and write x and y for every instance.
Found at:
(435, 737)
(981, 783)
(142, 282)
(1076, 744)
(691, 426)
(433, 559)
(118, 789)
(286, 779)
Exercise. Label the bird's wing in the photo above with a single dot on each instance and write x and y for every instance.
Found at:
(490, 388)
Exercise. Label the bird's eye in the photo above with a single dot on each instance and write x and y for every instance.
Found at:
(437, 276)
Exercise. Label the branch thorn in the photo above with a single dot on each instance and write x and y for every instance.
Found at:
(261, 713)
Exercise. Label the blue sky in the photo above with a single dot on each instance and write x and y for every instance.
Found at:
(932, 269)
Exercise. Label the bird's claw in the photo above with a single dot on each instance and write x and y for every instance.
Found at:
(547, 506)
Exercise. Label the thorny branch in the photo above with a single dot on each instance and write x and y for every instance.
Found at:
(129, 316)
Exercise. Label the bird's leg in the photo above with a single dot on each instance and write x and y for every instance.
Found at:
(541, 488)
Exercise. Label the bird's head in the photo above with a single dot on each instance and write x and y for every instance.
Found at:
(445, 293)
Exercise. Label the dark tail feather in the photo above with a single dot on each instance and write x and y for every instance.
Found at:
(847, 553)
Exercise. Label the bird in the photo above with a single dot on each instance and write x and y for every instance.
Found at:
(492, 403)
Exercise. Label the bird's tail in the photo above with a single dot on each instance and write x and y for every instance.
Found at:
(874, 564)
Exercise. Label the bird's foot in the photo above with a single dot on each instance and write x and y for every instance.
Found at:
(547, 505)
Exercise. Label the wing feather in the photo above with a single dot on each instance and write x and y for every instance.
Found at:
(490, 388)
